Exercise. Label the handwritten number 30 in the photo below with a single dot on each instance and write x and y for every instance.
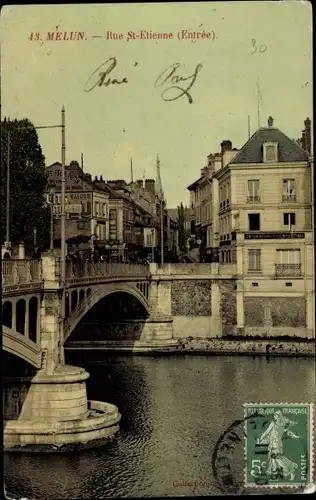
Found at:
(262, 48)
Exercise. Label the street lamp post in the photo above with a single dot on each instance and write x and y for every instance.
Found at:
(152, 246)
(7, 242)
(161, 232)
(63, 215)
(51, 206)
(51, 231)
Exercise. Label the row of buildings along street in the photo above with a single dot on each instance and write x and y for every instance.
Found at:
(114, 219)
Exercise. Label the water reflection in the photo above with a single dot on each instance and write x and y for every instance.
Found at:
(174, 410)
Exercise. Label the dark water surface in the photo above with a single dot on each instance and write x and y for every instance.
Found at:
(174, 410)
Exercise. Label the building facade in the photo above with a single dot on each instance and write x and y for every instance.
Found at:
(206, 201)
(86, 205)
(261, 224)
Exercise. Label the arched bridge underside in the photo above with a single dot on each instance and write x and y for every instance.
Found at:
(98, 293)
(21, 346)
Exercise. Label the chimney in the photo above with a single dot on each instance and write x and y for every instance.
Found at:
(210, 160)
(270, 122)
(204, 172)
(226, 146)
(96, 178)
(303, 140)
(101, 178)
(74, 164)
(21, 251)
(150, 185)
(139, 183)
(308, 136)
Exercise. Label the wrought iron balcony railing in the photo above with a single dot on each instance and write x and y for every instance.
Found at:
(288, 270)
(253, 199)
(288, 197)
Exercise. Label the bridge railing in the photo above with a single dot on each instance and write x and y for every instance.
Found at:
(83, 270)
(21, 271)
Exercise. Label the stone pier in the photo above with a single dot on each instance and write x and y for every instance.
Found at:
(55, 410)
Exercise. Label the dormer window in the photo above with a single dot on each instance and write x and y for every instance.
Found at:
(270, 152)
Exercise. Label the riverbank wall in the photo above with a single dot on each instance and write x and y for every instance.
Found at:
(222, 346)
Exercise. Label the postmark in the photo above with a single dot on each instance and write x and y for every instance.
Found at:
(278, 445)
(228, 459)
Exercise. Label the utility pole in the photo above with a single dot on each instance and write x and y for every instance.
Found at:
(161, 232)
(259, 98)
(7, 243)
(161, 199)
(51, 242)
(152, 246)
(63, 214)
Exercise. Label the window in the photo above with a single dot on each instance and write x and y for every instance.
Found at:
(104, 210)
(254, 222)
(289, 219)
(83, 225)
(288, 256)
(288, 263)
(96, 208)
(148, 240)
(267, 313)
(270, 152)
(288, 193)
(254, 259)
(253, 190)
(113, 224)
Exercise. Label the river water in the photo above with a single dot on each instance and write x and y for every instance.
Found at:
(174, 410)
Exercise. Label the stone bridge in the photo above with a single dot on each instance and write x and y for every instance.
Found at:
(174, 298)
(31, 300)
(146, 308)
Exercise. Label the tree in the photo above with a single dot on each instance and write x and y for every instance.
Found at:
(182, 229)
(28, 179)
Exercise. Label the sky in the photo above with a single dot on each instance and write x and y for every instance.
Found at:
(269, 42)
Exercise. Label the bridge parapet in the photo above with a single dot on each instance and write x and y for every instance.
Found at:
(193, 271)
(21, 271)
(89, 272)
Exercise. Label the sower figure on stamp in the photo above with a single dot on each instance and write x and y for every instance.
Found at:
(279, 465)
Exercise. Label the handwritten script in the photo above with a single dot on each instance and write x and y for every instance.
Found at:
(176, 86)
(173, 83)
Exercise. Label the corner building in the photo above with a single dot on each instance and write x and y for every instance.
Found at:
(266, 234)
(260, 225)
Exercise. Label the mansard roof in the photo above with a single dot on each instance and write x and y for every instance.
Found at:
(252, 151)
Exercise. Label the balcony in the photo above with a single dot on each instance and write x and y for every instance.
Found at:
(253, 199)
(288, 197)
(287, 270)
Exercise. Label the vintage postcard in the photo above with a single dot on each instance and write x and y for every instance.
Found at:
(157, 249)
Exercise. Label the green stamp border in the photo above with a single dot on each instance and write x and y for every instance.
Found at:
(311, 486)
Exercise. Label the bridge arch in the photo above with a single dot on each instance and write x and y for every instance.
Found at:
(20, 313)
(21, 346)
(98, 293)
(7, 314)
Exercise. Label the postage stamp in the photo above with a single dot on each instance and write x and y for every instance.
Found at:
(278, 444)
